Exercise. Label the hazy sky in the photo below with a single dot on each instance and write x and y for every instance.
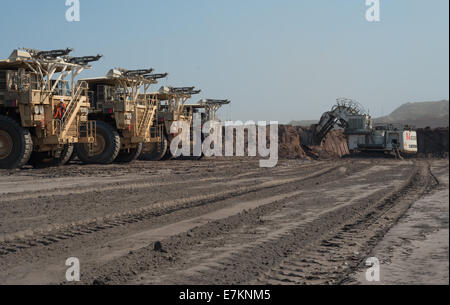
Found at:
(276, 60)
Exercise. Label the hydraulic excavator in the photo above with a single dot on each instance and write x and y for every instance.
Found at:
(362, 135)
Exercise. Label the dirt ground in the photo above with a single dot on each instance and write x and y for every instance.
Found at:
(415, 251)
(224, 221)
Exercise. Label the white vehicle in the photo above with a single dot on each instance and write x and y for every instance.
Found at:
(386, 139)
(362, 135)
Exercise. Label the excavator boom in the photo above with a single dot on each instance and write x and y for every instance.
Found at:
(338, 116)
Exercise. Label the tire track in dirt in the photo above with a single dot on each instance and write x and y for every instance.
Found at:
(126, 184)
(140, 259)
(14, 189)
(335, 257)
(232, 263)
(55, 247)
(22, 215)
(12, 243)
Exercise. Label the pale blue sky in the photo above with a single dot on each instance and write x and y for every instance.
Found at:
(276, 60)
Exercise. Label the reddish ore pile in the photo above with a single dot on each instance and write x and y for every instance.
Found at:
(293, 142)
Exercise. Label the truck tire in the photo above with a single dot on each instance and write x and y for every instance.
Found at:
(167, 156)
(16, 144)
(43, 159)
(127, 156)
(105, 150)
(192, 158)
(155, 152)
(73, 157)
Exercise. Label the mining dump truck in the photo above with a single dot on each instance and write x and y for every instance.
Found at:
(172, 108)
(43, 112)
(363, 135)
(123, 113)
(211, 107)
(207, 110)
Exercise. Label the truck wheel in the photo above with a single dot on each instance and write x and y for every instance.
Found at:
(168, 156)
(155, 151)
(127, 156)
(106, 148)
(196, 158)
(44, 159)
(16, 144)
(192, 158)
(73, 156)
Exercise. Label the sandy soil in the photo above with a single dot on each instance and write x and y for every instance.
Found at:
(218, 221)
(415, 251)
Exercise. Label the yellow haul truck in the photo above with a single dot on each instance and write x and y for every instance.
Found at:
(172, 108)
(211, 107)
(123, 113)
(42, 111)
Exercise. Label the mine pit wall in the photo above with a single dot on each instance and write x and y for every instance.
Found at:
(294, 143)
(292, 139)
(433, 142)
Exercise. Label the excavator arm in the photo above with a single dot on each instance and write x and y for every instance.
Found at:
(338, 116)
(326, 124)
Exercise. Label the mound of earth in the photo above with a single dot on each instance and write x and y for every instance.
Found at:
(433, 142)
(293, 144)
(420, 114)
